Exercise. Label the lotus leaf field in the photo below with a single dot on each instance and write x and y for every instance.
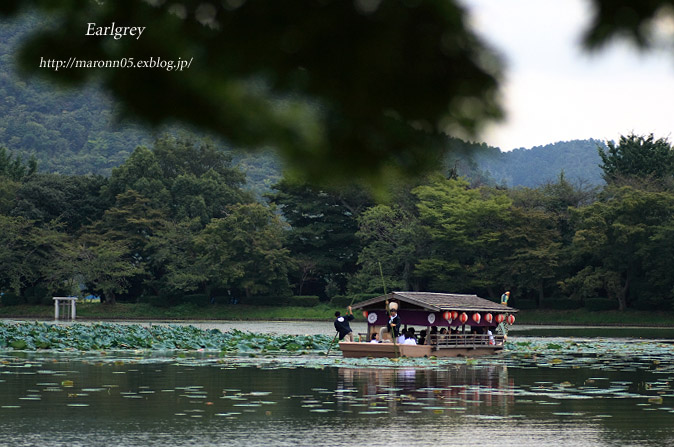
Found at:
(106, 336)
(555, 352)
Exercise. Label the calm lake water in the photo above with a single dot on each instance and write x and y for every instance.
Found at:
(571, 391)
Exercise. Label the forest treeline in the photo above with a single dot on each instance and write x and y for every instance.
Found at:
(174, 223)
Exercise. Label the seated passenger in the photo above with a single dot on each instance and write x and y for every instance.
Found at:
(410, 340)
(402, 337)
(375, 338)
(422, 337)
(433, 336)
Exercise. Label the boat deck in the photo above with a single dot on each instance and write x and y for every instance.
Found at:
(444, 346)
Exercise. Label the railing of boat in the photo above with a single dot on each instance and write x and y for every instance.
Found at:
(466, 341)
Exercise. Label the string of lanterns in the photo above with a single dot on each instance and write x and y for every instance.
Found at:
(476, 317)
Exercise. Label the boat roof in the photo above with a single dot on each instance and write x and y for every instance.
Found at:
(436, 302)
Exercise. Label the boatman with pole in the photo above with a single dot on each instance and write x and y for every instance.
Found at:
(504, 298)
(342, 324)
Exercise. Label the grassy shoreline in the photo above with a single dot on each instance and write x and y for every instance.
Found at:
(322, 312)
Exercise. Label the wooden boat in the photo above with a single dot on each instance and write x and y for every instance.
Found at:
(466, 317)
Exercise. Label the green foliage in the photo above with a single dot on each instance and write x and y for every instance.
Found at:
(323, 240)
(637, 156)
(561, 304)
(393, 239)
(653, 303)
(182, 177)
(73, 200)
(105, 268)
(618, 237)
(609, 22)
(303, 301)
(600, 304)
(524, 304)
(465, 226)
(341, 301)
(31, 254)
(244, 251)
(11, 299)
(13, 168)
(267, 300)
(33, 336)
(38, 294)
(196, 299)
(161, 301)
(264, 74)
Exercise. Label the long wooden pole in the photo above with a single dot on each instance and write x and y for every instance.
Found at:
(388, 312)
(332, 343)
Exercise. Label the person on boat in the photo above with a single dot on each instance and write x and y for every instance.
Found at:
(375, 338)
(433, 336)
(411, 333)
(393, 325)
(401, 338)
(505, 297)
(409, 339)
(422, 337)
(342, 325)
(491, 337)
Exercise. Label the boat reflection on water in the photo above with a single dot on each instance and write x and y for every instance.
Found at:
(459, 388)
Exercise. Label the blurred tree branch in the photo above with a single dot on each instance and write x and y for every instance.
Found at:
(362, 89)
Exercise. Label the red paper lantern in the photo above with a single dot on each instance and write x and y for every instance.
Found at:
(463, 318)
(447, 315)
(365, 313)
(511, 319)
(477, 317)
(455, 315)
(488, 318)
(500, 318)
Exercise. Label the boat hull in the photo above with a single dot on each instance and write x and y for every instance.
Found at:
(359, 350)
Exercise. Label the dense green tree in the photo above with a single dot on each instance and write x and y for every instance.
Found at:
(637, 156)
(73, 200)
(8, 189)
(616, 235)
(466, 225)
(12, 166)
(185, 178)
(322, 239)
(393, 240)
(105, 267)
(131, 222)
(528, 255)
(244, 252)
(175, 259)
(32, 255)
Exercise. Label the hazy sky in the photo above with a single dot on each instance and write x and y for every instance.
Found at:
(555, 91)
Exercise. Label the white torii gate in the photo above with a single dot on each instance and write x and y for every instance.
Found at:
(69, 306)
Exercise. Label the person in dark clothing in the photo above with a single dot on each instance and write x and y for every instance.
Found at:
(393, 324)
(422, 338)
(342, 325)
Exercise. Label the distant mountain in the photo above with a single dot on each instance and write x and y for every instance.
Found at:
(579, 159)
